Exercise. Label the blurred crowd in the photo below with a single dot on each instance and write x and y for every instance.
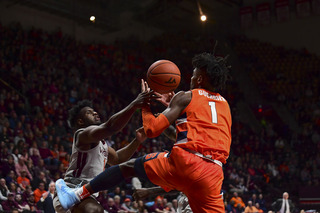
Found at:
(43, 74)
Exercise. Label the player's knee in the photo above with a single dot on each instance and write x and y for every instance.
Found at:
(93, 208)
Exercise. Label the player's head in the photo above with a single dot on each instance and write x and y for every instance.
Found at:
(82, 115)
(209, 72)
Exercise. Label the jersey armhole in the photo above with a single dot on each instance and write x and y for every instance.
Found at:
(75, 137)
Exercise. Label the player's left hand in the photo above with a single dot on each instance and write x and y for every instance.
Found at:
(140, 194)
(141, 135)
(164, 98)
(146, 95)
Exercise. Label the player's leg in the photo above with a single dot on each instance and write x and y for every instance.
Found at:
(88, 205)
(208, 186)
(107, 179)
(157, 169)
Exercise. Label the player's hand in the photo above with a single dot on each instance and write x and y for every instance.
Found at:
(146, 95)
(144, 86)
(164, 98)
(140, 194)
(141, 135)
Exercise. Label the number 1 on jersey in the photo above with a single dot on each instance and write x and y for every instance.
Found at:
(213, 112)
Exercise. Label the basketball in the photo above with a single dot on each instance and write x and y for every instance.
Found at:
(163, 76)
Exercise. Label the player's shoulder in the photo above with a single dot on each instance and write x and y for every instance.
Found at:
(183, 97)
(183, 94)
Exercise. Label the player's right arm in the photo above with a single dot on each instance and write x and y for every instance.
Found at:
(93, 134)
(154, 126)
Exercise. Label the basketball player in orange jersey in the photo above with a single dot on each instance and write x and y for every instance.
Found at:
(194, 165)
(90, 152)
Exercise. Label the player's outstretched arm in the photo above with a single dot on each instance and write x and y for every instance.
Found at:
(154, 126)
(124, 154)
(92, 134)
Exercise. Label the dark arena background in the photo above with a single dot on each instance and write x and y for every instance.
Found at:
(54, 53)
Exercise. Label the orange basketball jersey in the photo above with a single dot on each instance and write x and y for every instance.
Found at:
(205, 125)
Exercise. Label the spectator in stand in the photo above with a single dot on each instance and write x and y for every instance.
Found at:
(11, 178)
(169, 208)
(284, 204)
(13, 188)
(258, 208)
(250, 208)
(254, 199)
(24, 155)
(21, 166)
(158, 205)
(66, 161)
(126, 206)
(124, 195)
(61, 170)
(4, 191)
(15, 154)
(135, 206)
(110, 206)
(60, 129)
(8, 165)
(237, 200)
(234, 174)
(46, 201)
(19, 137)
(230, 208)
(10, 204)
(41, 167)
(62, 153)
(34, 153)
(27, 193)
(23, 181)
(22, 204)
(262, 202)
(30, 167)
(117, 202)
(39, 191)
(33, 205)
(55, 154)
(115, 192)
(46, 155)
(3, 117)
(40, 179)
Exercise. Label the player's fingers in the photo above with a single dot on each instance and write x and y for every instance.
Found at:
(158, 94)
(147, 86)
(143, 86)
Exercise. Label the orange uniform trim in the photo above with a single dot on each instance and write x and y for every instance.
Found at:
(154, 126)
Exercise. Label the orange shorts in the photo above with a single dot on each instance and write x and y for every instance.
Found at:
(199, 179)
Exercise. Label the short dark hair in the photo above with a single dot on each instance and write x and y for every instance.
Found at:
(215, 68)
(75, 110)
